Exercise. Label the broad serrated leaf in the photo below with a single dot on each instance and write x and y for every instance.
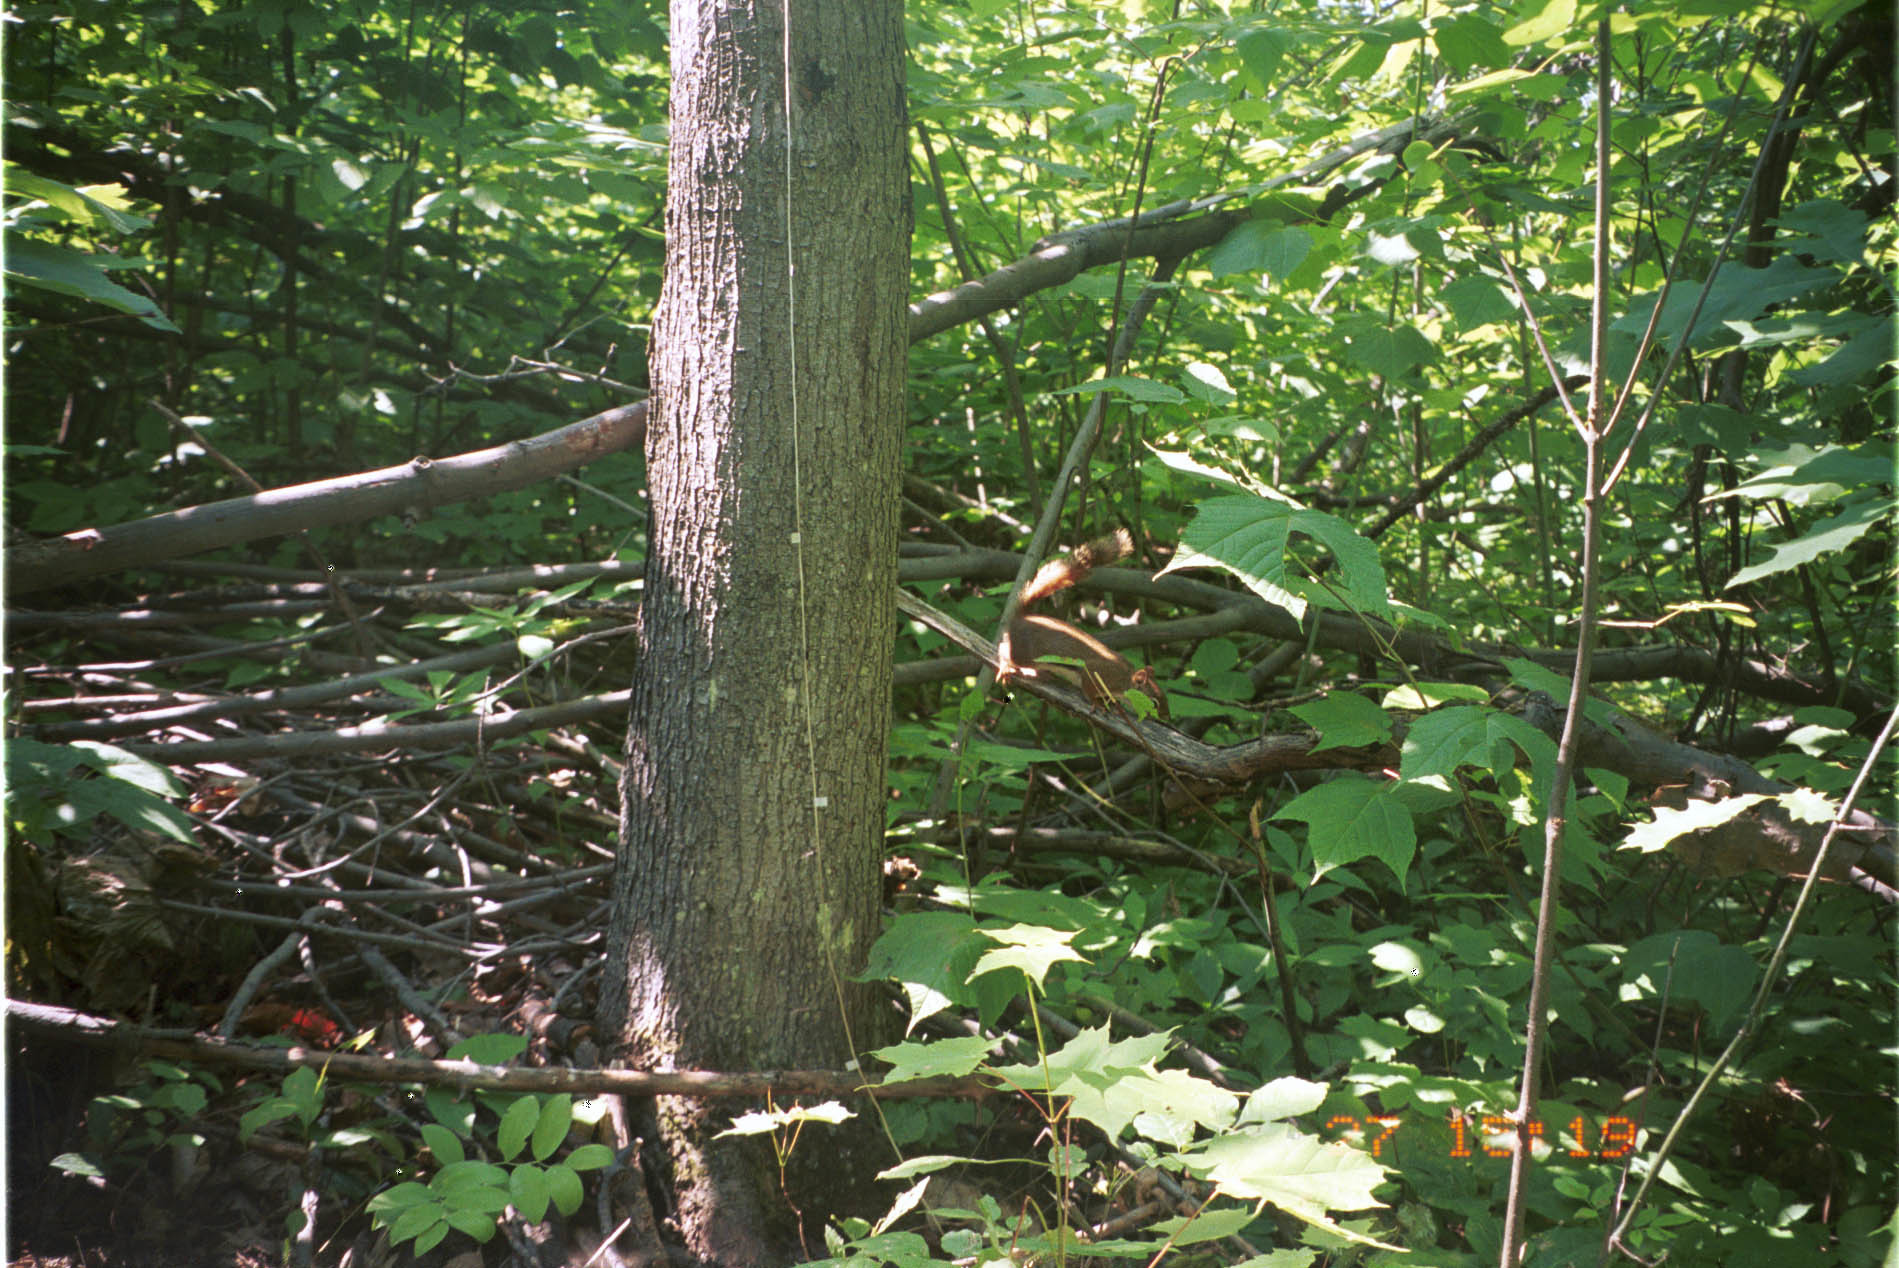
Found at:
(1260, 246)
(1131, 386)
(1111, 1083)
(1300, 1174)
(68, 272)
(1032, 949)
(1442, 743)
(1696, 816)
(1251, 538)
(929, 954)
(1345, 720)
(951, 1058)
(1350, 818)
(1284, 1097)
(1829, 536)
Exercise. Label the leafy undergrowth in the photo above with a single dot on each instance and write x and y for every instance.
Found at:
(1231, 1030)
(374, 901)
(1333, 1076)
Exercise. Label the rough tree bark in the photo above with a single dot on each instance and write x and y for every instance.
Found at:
(748, 880)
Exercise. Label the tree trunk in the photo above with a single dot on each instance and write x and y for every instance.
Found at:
(748, 884)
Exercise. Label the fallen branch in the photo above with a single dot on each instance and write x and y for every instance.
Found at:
(69, 1026)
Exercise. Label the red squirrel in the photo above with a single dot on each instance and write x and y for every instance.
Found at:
(1103, 674)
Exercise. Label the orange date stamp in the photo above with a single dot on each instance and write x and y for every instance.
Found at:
(1491, 1135)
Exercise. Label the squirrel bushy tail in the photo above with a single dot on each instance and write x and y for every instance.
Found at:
(1074, 567)
(1078, 657)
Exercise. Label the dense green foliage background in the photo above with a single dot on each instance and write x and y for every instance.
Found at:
(331, 237)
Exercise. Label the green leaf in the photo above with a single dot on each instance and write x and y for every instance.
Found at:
(1112, 1085)
(1470, 40)
(489, 1049)
(1389, 351)
(1805, 476)
(430, 1237)
(527, 1189)
(415, 1221)
(304, 1088)
(1261, 53)
(1251, 538)
(1031, 949)
(930, 955)
(1442, 743)
(68, 272)
(401, 1197)
(1131, 386)
(1478, 301)
(1534, 677)
(926, 1164)
(517, 1124)
(761, 1122)
(78, 1165)
(1691, 964)
(451, 1110)
(557, 1115)
(1345, 720)
(589, 1157)
(943, 1058)
(1739, 293)
(1351, 818)
(1206, 382)
(273, 1110)
(470, 1174)
(479, 1225)
(443, 1143)
(1299, 1174)
(89, 206)
(347, 173)
(563, 1186)
(1210, 1223)
(1260, 246)
(1542, 21)
(1829, 536)
(1696, 816)
(485, 1199)
(1284, 1097)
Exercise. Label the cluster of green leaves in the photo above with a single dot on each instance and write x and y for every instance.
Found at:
(1405, 317)
(338, 215)
(1399, 906)
(441, 191)
(44, 211)
(58, 790)
(126, 1128)
(468, 1194)
(1414, 1006)
(462, 1191)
